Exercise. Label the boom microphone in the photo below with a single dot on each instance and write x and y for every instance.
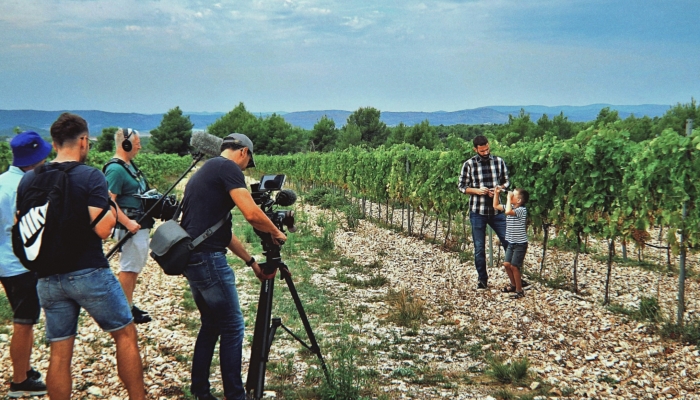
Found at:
(285, 198)
(206, 143)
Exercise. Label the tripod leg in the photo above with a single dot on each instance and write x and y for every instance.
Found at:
(312, 338)
(260, 349)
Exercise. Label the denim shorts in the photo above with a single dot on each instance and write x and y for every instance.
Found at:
(21, 293)
(515, 254)
(94, 289)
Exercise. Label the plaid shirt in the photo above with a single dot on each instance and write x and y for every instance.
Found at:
(477, 174)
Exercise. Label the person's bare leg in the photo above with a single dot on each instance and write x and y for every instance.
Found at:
(518, 278)
(509, 271)
(129, 364)
(59, 382)
(21, 351)
(128, 282)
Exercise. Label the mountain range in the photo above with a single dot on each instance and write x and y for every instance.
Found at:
(41, 121)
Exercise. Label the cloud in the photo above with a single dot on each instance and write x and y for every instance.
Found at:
(295, 52)
(357, 22)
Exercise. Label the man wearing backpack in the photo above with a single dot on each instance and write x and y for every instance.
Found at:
(67, 234)
(29, 150)
(124, 180)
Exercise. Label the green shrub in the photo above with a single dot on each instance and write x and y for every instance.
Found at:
(503, 394)
(325, 198)
(405, 309)
(515, 372)
(346, 379)
(327, 240)
(403, 373)
(353, 215)
(374, 281)
(649, 309)
(688, 333)
(315, 196)
(562, 242)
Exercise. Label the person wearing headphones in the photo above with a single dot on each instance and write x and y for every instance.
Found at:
(124, 180)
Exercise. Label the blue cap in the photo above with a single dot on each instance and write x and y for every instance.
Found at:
(28, 148)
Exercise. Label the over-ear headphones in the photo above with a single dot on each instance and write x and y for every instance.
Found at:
(126, 144)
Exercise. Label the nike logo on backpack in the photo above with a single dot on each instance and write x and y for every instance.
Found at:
(31, 227)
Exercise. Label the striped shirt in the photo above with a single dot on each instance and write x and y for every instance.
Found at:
(476, 174)
(516, 228)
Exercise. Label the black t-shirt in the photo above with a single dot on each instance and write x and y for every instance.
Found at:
(207, 200)
(88, 188)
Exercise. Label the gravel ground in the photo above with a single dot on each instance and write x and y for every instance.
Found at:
(571, 340)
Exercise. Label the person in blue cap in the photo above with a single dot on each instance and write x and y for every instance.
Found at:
(29, 150)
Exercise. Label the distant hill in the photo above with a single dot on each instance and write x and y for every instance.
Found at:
(10, 131)
(41, 120)
(483, 115)
(97, 120)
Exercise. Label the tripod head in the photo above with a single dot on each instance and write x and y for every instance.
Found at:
(262, 194)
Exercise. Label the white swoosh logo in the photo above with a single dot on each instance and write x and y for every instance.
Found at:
(31, 227)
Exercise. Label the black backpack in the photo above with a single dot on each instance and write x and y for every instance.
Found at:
(41, 237)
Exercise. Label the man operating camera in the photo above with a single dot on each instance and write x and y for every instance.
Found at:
(210, 195)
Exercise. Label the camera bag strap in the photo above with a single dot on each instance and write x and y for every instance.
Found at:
(196, 242)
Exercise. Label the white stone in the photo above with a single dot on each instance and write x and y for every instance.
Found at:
(534, 385)
(95, 391)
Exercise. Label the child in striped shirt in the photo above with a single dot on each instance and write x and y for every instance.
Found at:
(516, 236)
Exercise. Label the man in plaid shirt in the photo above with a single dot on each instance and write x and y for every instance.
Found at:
(479, 177)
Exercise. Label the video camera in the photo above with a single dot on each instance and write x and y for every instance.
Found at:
(261, 193)
(165, 209)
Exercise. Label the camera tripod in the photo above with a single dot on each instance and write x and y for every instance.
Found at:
(266, 326)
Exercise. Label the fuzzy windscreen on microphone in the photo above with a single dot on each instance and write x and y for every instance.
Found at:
(285, 198)
(206, 143)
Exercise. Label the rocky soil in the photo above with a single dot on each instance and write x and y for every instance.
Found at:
(571, 340)
(573, 343)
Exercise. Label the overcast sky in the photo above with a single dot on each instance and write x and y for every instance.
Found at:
(295, 55)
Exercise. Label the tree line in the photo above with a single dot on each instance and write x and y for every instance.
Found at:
(273, 135)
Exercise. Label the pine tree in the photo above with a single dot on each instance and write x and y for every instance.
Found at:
(173, 134)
